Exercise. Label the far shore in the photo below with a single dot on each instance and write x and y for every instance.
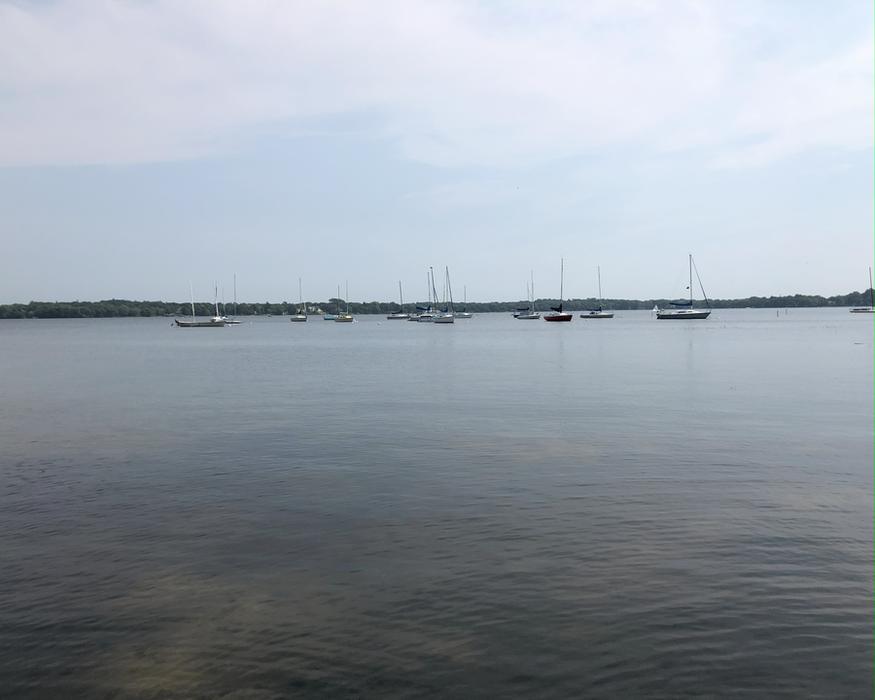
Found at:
(121, 308)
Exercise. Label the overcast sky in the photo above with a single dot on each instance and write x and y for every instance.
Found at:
(144, 145)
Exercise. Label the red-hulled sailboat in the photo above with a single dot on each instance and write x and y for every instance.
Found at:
(556, 313)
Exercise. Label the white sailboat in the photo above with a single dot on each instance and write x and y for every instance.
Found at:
(399, 315)
(599, 312)
(233, 320)
(684, 309)
(522, 310)
(345, 317)
(301, 316)
(529, 314)
(218, 316)
(867, 309)
(464, 313)
(427, 314)
(447, 314)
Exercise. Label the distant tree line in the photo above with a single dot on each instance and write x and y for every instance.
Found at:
(111, 308)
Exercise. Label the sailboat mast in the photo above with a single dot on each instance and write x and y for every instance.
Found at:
(216, 297)
(400, 295)
(433, 288)
(871, 291)
(450, 290)
(599, 269)
(191, 292)
(235, 293)
(561, 279)
(346, 294)
(691, 280)
(532, 287)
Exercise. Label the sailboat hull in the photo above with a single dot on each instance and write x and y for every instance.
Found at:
(863, 310)
(528, 316)
(297, 318)
(343, 318)
(464, 314)
(560, 318)
(681, 315)
(446, 318)
(398, 317)
(598, 314)
(200, 324)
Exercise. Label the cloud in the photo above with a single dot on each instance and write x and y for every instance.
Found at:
(449, 83)
(791, 109)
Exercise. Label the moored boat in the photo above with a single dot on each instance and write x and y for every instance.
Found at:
(233, 320)
(346, 316)
(684, 310)
(599, 312)
(399, 315)
(447, 314)
(866, 309)
(556, 313)
(427, 313)
(216, 321)
(464, 313)
(301, 316)
(327, 316)
(528, 314)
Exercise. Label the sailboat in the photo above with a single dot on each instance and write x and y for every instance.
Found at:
(232, 321)
(464, 313)
(599, 312)
(345, 317)
(301, 316)
(215, 322)
(685, 310)
(426, 313)
(556, 311)
(447, 314)
(529, 314)
(399, 315)
(867, 309)
(333, 317)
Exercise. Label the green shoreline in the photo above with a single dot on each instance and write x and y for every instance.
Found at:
(114, 308)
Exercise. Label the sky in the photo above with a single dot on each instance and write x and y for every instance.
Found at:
(147, 145)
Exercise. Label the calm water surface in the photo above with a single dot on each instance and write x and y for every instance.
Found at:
(386, 509)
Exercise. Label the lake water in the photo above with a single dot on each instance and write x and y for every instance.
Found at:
(496, 508)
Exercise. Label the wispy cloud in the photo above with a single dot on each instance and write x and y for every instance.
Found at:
(450, 83)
